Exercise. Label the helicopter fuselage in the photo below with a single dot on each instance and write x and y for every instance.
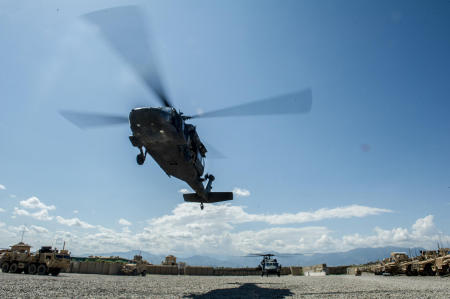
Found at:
(173, 144)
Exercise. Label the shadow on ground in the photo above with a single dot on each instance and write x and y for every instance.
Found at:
(246, 290)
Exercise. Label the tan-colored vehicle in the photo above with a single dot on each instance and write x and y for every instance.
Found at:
(394, 265)
(46, 261)
(170, 260)
(442, 262)
(138, 266)
(423, 264)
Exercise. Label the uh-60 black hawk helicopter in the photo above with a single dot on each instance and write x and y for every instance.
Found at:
(162, 132)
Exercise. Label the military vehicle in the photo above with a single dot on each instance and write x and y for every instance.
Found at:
(162, 132)
(423, 264)
(394, 265)
(137, 266)
(170, 260)
(46, 261)
(442, 262)
(268, 264)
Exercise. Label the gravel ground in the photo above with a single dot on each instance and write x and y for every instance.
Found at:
(166, 286)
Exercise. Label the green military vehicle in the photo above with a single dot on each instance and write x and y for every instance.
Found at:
(45, 261)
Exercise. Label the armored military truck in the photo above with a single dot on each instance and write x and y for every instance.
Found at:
(46, 261)
(137, 266)
(442, 262)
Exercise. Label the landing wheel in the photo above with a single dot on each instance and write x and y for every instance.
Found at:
(201, 206)
(140, 159)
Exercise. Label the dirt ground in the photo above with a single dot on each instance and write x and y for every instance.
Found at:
(166, 286)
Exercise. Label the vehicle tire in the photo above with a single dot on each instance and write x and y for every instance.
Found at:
(429, 271)
(13, 268)
(55, 272)
(278, 274)
(32, 269)
(5, 267)
(144, 273)
(134, 272)
(42, 269)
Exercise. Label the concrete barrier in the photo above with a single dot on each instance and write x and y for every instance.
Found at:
(316, 270)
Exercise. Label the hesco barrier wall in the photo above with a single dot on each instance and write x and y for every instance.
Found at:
(192, 270)
(337, 270)
(110, 268)
(236, 271)
(163, 270)
(296, 271)
(95, 268)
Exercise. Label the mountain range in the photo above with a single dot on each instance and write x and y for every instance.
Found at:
(351, 257)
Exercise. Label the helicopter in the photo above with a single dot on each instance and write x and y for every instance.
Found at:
(162, 132)
(268, 264)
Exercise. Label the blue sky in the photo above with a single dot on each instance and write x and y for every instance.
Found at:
(375, 143)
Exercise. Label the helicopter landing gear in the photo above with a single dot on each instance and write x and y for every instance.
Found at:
(140, 158)
(210, 179)
(201, 206)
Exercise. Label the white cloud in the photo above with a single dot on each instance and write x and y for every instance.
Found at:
(2, 187)
(12, 196)
(39, 229)
(34, 203)
(73, 222)
(241, 192)
(2, 210)
(20, 212)
(2, 224)
(75, 211)
(184, 191)
(39, 215)
(124, 222)
(187, 212)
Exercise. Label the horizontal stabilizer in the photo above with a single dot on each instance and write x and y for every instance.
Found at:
(212, 197)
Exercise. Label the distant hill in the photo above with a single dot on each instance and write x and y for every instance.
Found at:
(351, 257)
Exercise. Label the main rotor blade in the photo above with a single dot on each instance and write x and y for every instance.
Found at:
(124, 27)
(87, 120)
(293, 103)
